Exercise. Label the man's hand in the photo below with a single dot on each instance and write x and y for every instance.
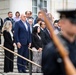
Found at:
(19, 45)
(14, 44)
(40, 49)
(29, 45)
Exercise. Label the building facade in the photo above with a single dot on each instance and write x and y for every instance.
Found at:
(33, 5)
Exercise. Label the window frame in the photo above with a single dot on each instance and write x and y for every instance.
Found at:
(38, 2)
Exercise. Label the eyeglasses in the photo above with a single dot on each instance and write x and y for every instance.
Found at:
(43, 24)
(24, 16)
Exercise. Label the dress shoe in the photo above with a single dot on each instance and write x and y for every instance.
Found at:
(20, 71)
(23, 71)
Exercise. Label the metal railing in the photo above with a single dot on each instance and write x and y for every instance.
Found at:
(29, 60)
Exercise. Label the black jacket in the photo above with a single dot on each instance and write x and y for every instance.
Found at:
(12, 21)
(43, 37)
(52, 63)
(8, 42)
(36, 42)
(47, 35)
(1, 24)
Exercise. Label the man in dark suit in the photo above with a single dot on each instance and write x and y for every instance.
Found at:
(1, 25)
(43, 34)
(47, 33)
(9, 18)
(22, 37)
(30, 21)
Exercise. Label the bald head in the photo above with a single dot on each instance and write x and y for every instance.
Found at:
(23, 17)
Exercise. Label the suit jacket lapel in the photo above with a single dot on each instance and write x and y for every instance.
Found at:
(28, 25)
(23, 25)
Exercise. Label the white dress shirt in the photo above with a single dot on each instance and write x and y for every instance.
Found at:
(25, 25)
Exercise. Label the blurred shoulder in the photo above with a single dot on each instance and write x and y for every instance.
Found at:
(49, 49)
(5, 32)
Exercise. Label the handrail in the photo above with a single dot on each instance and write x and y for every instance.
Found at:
(20, 56)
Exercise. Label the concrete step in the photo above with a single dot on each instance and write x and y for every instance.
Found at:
(1, 67)
(15, 49)
(2, 60)
(1, 50)
(2, 63)
(2, 56)
(22, 74)
(14, 70)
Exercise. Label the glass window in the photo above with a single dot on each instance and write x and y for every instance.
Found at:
(34, 16)
(34, 2)
(34, 10)
(45, 3)
(35, 7)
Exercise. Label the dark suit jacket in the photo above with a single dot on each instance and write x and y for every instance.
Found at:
(12, 21)
(1, 24)
(36, 42)
(8, 42)
(47, 35)
(43, 37)
(52, 62)
(21, 34)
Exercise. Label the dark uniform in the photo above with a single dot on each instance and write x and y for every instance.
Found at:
(52, 63)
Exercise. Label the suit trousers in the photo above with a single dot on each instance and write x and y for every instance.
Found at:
(21, 63)
(8, 61)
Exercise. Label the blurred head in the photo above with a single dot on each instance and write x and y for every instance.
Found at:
(36, 29)
(17, 14)
(39, 20)
(49, 15)
(56, 22)
(68, 21)
(10, 15)
(28, 14)
(23, 17)
(30, 20)
(40, 15)
(42, 24)
(45, 10)
(7, 26)
(67, 26)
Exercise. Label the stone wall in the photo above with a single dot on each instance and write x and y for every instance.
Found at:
(4, 8)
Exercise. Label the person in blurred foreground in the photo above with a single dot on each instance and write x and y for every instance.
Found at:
(52, 63)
